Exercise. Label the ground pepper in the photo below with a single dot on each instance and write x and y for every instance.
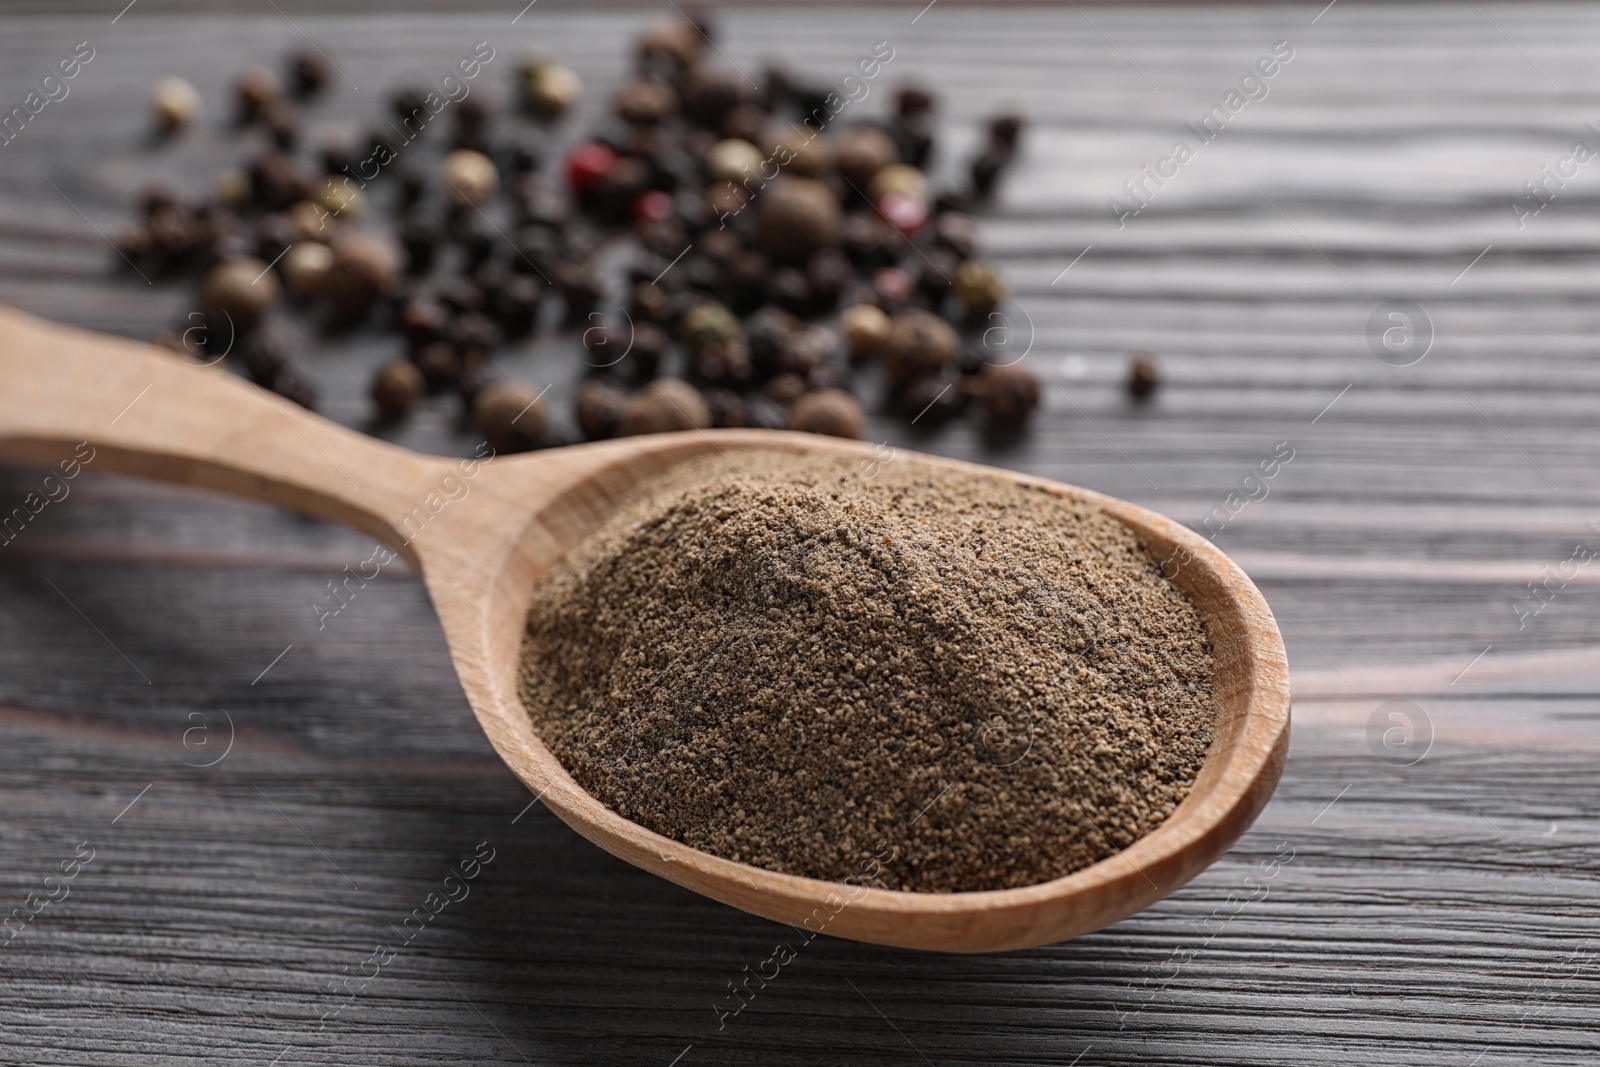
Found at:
(790, 661)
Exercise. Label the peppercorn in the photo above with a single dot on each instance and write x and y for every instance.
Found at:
(396, 387)
(979, 286)
(870, 241)
(175, 103)
(282, 120)
(829, 272)
(1004, 132)
(472, 125)
(549, 89)
(646, 102)
(798, 216)
(460, 295)
(364, 270)
(438, 363)
(647, 353)
(710, 92)
(807, 349)
(240, 289)
(708, 323)
(652, 303)
(861, 152)
(940, 267)
(785, 389)
(516, 304)
(254, 89)
(893, 288)
(900, 179)
(725, 363)
(766, 336)
(308, 72)
(678, 42)
(1144, 377)
(733, 160)
(666, 405)
(866, 330)
(477, 240)
(421, 321)
(913, 101)
(263, 355)
(510, 416)
(340, 197)
(985, 170)
(791, 290)
(581, 289)
(803, 157)
(420, 238)
(470, 177)
(919, 343)
(906, 212)
(597, 406)
(932, 400)
(1009, 394)
(728, 410)
(953, 230)
(475, 335)
(305, 267)
(833, 412)
(277, 181)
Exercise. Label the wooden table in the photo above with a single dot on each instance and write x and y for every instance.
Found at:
(1432, 910)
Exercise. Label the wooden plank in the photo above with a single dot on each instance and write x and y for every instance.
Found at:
(1441, 913)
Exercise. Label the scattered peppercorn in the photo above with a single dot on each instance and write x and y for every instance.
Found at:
(510, 416)
(831, 411)
(919, 343)
(241, 290)
(667, 404)
(175, 103)
(396, 388)
(1009, 394)
(1144, 377)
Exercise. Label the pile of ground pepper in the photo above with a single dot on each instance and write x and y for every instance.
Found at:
(801, 663)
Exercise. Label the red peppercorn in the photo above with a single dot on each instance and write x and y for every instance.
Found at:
(588, 165)
(904, 212)
(893, 287)
(653, 206)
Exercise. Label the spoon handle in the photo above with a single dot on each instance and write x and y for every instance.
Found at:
(146, 411)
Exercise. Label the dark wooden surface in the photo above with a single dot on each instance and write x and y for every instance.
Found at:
(1441, 913)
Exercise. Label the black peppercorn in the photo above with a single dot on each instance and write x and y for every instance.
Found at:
(919, 343)
(308, 72)
(282, 120)
(396, 387)
(766, 338)
(932, 400)
(597, 406)
(937, 275)
(791, 290)
(365, 269)
(646, 354)
(516, 304)
(475, 335)
(264, 356)
(1144, 377)
(725, 363)
(1004, 132)
(727, 409)
(420, 238)
(276, 180)
(710, 92)
(1009, 394)
(808, 349)
(254, 89)
(869, 241)
(477, 241)
(581, 289)
(651, 303)
(829, 273)
(438, 363)
(954, 230)
(460, 295)
(985, 170)
(422, 321)
(667, 404)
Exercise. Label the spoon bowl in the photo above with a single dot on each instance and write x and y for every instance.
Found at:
(482, 533)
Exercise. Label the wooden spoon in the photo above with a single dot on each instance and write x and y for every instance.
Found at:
(482, 534)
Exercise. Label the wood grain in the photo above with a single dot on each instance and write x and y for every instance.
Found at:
(1441, 913)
